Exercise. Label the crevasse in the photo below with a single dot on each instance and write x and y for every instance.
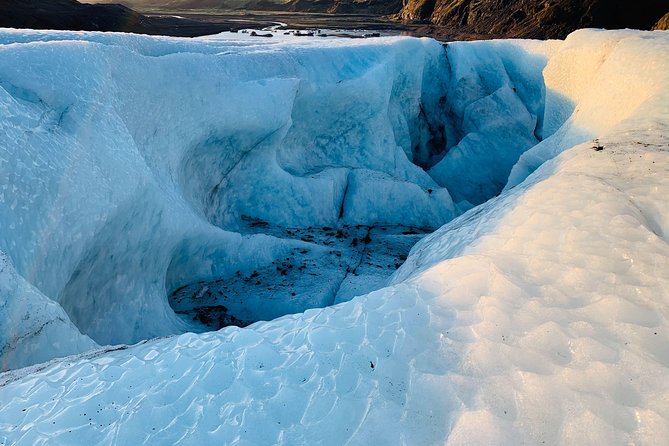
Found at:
(139, 171)
(536, 317)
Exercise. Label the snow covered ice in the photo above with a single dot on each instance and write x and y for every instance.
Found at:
(537, 311)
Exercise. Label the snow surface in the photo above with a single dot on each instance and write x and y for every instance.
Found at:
(539, 316)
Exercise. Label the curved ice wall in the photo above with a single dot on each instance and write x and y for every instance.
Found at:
(130, 163)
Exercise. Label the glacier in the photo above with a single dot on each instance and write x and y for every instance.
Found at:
(535, 311)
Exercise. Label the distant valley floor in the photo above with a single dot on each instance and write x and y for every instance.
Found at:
(193, 22)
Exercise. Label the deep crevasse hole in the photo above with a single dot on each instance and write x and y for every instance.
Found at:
(234, 184)
(353, 196)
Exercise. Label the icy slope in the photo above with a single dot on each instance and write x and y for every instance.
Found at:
(593, 85)
(538, 317)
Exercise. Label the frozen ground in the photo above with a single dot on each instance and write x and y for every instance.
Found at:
(332, 266)
(537, 317)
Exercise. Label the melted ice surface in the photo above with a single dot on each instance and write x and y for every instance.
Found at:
(537, 317)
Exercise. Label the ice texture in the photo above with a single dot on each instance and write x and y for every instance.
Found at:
(134, 165)
(130, 163)
(34, 327)
(537, 317)
(494, 108)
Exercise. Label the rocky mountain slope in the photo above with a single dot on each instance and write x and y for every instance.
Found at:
(72, 15)
(663, 23)
(67, 14)
(532, 19)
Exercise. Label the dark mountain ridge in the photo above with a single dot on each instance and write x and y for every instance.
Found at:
(72, 15)
(534, 19)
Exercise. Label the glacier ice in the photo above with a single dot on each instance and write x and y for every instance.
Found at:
(539, 316)
(134, 170)
(495, 105)
(137, 172)
(34, 327)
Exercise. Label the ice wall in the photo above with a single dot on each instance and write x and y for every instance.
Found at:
(493, 112)
(131, 165)
(34, 327)
(116, 151)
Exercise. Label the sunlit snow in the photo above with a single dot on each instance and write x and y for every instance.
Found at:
(136, 172)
